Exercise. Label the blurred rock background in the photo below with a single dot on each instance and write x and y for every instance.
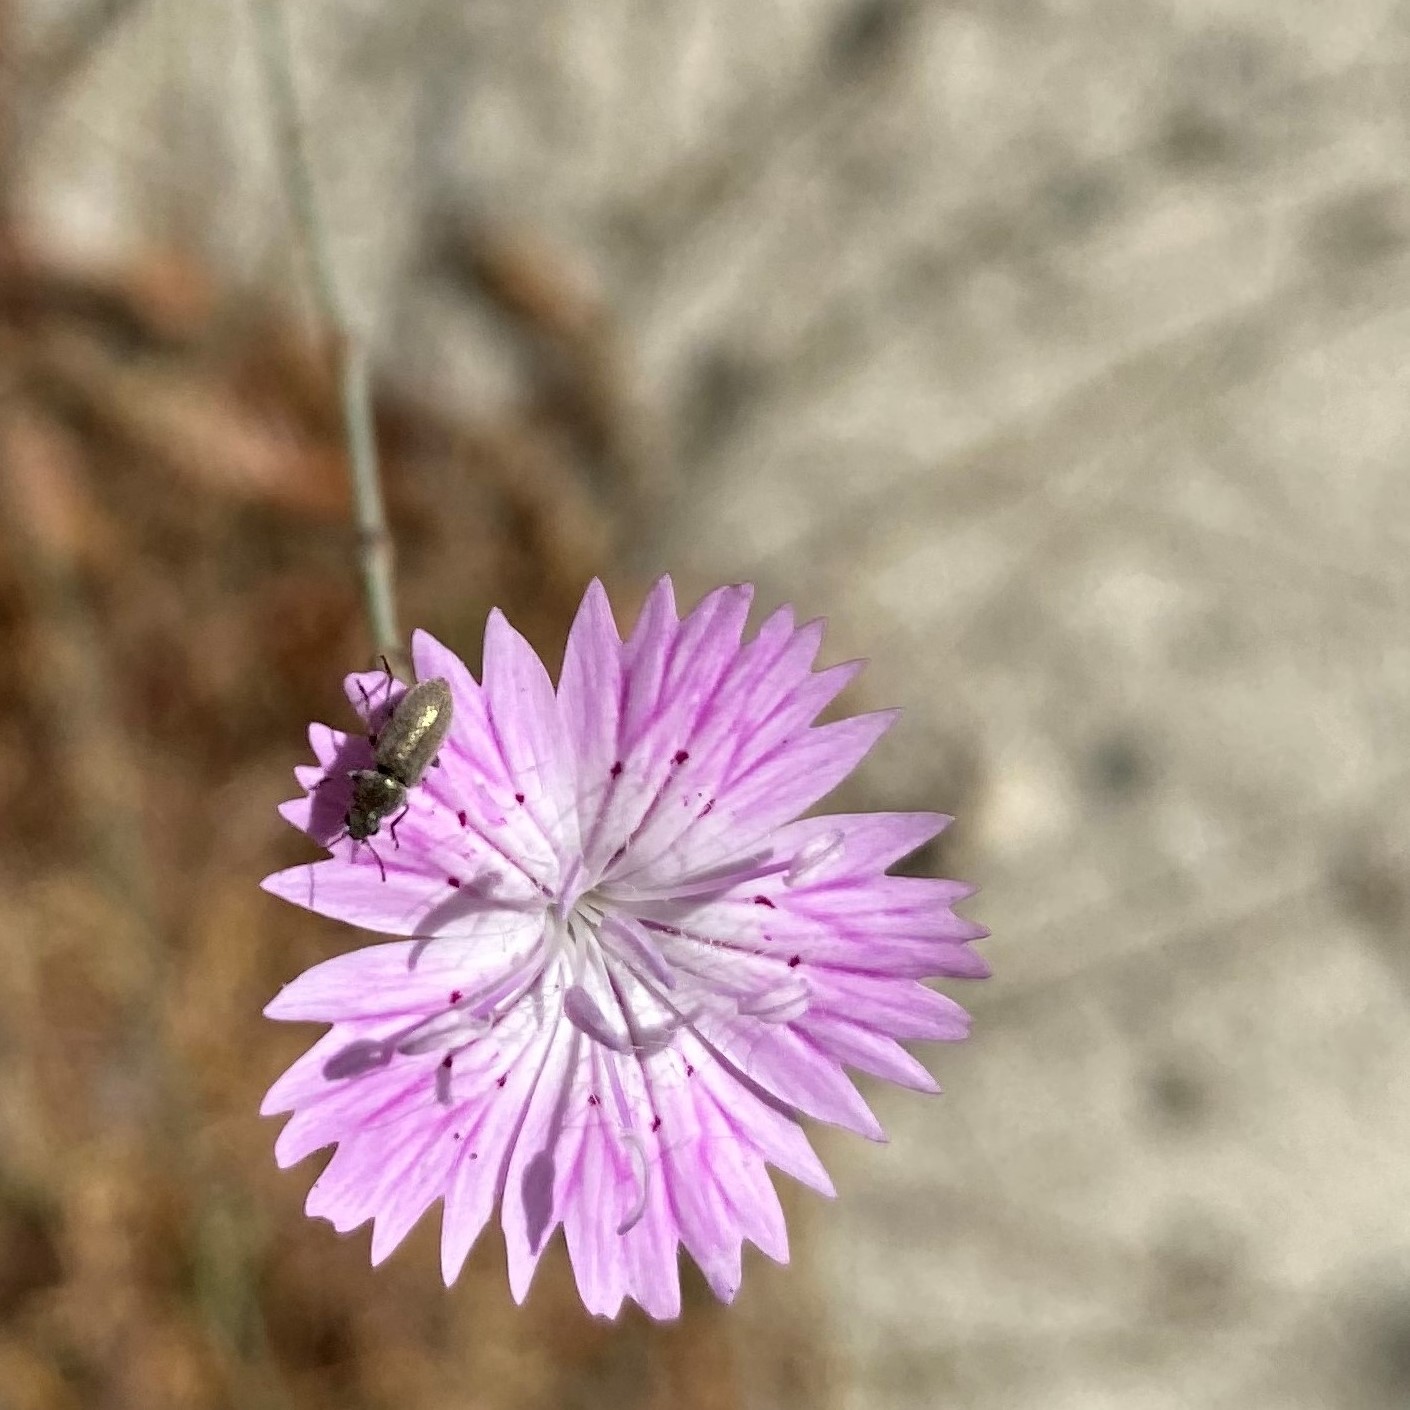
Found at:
(1055, 351)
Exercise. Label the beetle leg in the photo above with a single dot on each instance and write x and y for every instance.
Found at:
(375, 856)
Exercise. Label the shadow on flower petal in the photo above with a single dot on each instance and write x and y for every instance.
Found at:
(537, 1190)
(358, 1057)
(330, 797)
(329, 801)
(471, 898)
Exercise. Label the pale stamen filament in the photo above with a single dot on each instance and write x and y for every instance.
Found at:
(584, 1013)
(780, 1003)
(641, 1169)
(452, 1029)
(816, 856)
(752, 869)
(637, 950)
(718, 973)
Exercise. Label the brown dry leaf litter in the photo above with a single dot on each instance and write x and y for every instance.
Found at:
(177, 599)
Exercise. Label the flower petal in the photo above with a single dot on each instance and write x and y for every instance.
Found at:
(402, 902)
(752, 1118)
(476, 780)
(783, 1064)
(871, 842)
(524, 723)
(893, 926)
(855, 1045)
(713, 1182)
(497, 1087)
(590, 698)
(903, 1008)
(542, 1165)
(671, 674)
(742, 810)
(404, 978)
(620, 1220)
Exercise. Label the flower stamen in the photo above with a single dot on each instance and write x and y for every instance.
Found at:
(778, 1003)
(816, 856)
(452, 1029)
(641, 1169)
(639, 952)
(753, 868)
(582, 1011)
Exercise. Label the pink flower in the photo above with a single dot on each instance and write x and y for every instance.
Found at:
(627, 967)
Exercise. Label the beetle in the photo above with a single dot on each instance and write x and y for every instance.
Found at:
(401, 752)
